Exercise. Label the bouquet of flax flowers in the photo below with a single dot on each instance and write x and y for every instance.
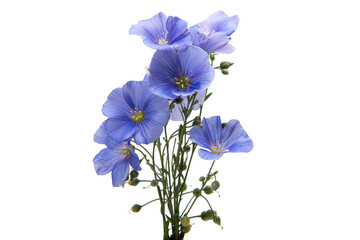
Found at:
(174, 90)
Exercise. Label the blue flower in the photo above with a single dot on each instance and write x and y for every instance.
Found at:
(116, 158)
(213, 34)
(135, 112)
(176, 113)
(218, 140)
(180, 72)
(161, 32)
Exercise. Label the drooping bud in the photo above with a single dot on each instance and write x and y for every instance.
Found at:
(225, 71)
(134, 174)
(154, 183)
(197, 121)
(179, 100)
(197, 192)
(136, 208)
(187, 148)
(217, 220)
(215, 185)
(134, 182)
(225, 64)
(208, 189)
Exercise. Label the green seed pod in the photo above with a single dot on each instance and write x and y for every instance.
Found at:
(134, 182)
(225, 64)
(217, 220)
(154, 183)
(201, 179)
(136, 208)
(183, 187)
(185, 221)
(215, 185)
(197, 192)
(179, 100)
(209, 214)
(185, 228)
(134, 174)
(225, 71)
(208, 189)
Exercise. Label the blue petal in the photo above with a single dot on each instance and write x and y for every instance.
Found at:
(214, 42)
(235, 138)
(115, 106)
(204, 154)
(177, 30)
(220, 22)
(197, 136)
(134, 160)
(150, 29)
(227, 49)
(105, 161)
(102, 138)
(212, 129)
(120, 173)
(136, 93)
(149, 130)
(120, 129)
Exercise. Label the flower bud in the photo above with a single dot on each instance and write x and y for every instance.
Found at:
(197, 121)
(183, 188)
(208, 189)
(212, 57)
(185, 221)
(201, 179)
(225, 71)
(183, 167)
(136, 208)
(215, 185)
(203, 216)
(210, 214)
(187, 148)
(134, 174)
(154, 183)
(179, 100)
(134, 182)
(185, 228)
(225, 64)
(217, 220)
(197, 192)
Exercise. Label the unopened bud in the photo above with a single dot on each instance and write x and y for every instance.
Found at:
(154, 183)
(212, 57)
(201, 179)
(225, 71)
(136, 208)
(208, 189)
(215, 185)
(179, 100)
(183, 167)
(187, 148)
(134, 174)
(185, 228)
(197, 192)
(203, 216)
(134, 182)
(185, 221)
(225, 65)
(197, 121)
(217, 220)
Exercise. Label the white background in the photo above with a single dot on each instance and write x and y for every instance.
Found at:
(293, 87)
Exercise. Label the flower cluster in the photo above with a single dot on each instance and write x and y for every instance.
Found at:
(180, 73)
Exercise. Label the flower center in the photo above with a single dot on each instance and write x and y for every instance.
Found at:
(138, 116)
(205, 30)
(217, 148)
(122, 151)
(163, 39)
(182, 82)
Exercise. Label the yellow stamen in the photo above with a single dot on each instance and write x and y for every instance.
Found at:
(138, 116)
(182, 82)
